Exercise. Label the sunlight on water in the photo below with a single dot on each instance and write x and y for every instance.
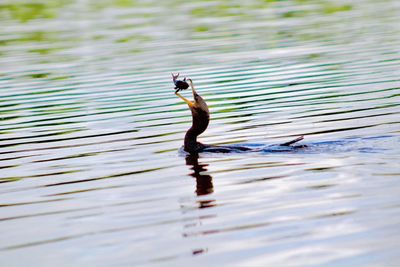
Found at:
(92, 173)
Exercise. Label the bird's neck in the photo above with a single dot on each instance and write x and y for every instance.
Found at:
(200, 120)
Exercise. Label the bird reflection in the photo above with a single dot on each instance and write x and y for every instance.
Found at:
(204, 183)
(204, 186)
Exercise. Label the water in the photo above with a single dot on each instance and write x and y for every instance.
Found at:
(91, 168)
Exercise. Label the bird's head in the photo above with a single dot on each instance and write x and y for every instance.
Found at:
(198, 105)
(198, 101)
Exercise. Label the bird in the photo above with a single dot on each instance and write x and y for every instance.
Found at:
(200, 122)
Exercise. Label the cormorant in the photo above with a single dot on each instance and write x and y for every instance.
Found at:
(200, 121)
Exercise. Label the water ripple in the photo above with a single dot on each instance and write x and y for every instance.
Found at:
(91, 133)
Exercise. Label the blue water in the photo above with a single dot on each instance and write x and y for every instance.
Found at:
(91, 167)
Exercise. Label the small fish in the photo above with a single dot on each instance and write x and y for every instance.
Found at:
(179, 84)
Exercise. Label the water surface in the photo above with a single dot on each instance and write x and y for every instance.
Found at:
(90, 165)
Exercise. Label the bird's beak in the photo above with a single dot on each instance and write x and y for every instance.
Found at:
(187, 101)
(191, 104)
(193, 91)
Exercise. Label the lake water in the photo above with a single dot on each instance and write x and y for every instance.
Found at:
(91, 170)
